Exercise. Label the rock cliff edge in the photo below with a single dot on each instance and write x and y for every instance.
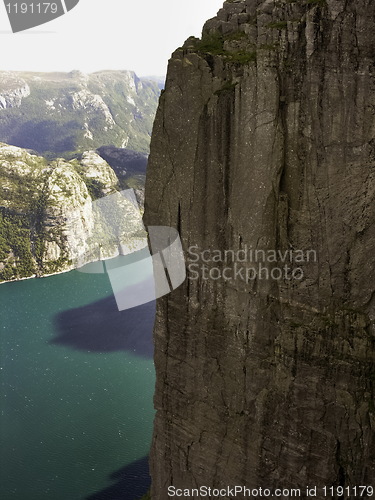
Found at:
(264, 140)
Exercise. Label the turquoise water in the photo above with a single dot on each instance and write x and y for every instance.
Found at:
(77, 382)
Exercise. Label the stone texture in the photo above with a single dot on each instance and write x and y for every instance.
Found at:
(269, 383)
(13, 90)
(55, 205)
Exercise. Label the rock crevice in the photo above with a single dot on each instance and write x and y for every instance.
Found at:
(264, 139)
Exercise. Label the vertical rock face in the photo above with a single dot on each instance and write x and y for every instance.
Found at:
(264, 139)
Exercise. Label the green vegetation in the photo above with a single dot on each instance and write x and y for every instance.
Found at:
(213, 43)
(236, 36)
(321, 3)
(37, 222)
(55, 266)
(23, 238)
(134, 182)
(281, 25)
(94, 187)
(243, 57)
(36, 202)
(64, 114)
(302, 2)
(22, 241)
(25, 201)
(15, 247)
(227, 87)
(146, 497)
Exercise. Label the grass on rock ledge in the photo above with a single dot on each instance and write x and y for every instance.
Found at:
(213, 43)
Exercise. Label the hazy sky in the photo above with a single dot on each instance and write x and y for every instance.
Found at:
(139, 35)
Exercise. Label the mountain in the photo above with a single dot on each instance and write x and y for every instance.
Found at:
(58, 114)
(129, 166)
(160, 80)
(263, 157)
(50, 216)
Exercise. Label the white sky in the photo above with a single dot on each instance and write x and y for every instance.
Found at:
(138, 35)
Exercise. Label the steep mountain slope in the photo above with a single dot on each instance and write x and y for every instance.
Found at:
(264, 139)
(61, 113)
(125, 162)
(49, 221)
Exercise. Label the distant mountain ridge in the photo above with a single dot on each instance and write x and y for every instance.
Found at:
(62, 113)
(160, 80)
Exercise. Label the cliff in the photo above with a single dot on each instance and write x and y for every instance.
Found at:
(61, 113)
(50, 220)
(264, 140)
(13, 90)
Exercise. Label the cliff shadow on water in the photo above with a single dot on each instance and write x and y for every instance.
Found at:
(101, 327)
(132, 481)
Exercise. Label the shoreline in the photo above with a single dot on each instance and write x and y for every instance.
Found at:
(74, 268)
(39, 277)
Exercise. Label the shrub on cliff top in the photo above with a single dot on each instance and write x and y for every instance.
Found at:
(213, 43)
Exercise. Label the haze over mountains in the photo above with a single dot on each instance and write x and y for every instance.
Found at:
(59, 114)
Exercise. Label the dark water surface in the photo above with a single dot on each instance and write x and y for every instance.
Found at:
(77, 381)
